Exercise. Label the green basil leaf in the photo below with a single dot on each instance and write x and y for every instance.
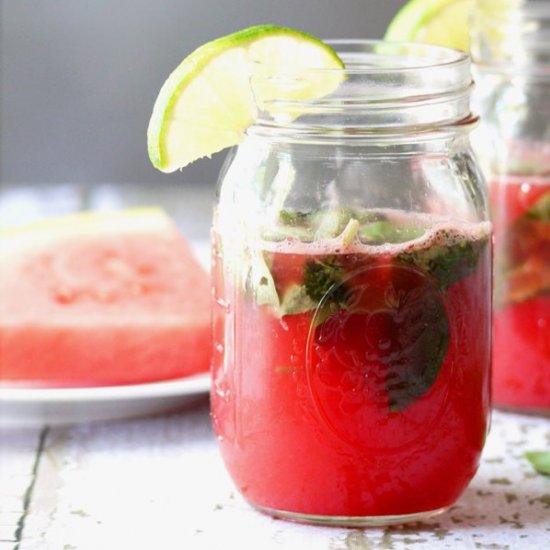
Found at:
(447, 263)
(322, 280)
(295, 218)
(386, 231)
(424, 338)
(296, 300)
(540, 460)
(331, 222)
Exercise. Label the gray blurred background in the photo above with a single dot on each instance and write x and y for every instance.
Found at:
(78, 78)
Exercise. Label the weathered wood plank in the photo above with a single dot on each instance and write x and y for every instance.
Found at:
(18, 455)
(160, 483)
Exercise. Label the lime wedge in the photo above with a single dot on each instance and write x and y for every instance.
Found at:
(441, 22)
(207, 103)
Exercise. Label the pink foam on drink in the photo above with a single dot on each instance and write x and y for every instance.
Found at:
(439, 231)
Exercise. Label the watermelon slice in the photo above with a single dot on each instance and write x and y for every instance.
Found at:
(101, 299)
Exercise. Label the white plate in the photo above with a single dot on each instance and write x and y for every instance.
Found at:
(26, 407)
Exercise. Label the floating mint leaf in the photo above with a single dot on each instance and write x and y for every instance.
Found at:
(540, 460)
(328, 223)
(296, 300)
(423, 340)
(400, 341)
(322, 280)
(294, 217)
(448, 263)
(331, 222)
(292, 224)
(386, 231)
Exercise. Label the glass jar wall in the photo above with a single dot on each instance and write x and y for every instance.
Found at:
(351, 267)
(511, 50)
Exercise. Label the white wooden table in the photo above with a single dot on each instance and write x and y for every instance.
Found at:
(159, 483)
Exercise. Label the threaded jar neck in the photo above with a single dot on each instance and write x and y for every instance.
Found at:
(386, 88)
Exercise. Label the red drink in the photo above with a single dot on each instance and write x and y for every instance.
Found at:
(521, 351)
(360, 388)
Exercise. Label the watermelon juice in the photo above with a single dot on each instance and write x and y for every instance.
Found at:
(521, 352)
(359, 388)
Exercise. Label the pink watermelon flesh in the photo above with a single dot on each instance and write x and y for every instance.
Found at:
(102, 308)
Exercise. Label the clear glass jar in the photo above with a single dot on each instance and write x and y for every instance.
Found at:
(511, 49)
(351, 266)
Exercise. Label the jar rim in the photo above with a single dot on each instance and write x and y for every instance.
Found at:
(385, 87)
(351, 48)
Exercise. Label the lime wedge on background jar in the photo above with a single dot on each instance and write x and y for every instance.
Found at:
(439, 22)
(351, 270)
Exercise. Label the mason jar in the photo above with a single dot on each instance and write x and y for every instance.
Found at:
(511, 49)
(352, 291)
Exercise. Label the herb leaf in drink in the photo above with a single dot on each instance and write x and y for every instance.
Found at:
(423, 340)
(448, 263)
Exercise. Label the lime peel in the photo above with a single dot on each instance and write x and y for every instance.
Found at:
(442, 22)
(207, 102)
(439, 22)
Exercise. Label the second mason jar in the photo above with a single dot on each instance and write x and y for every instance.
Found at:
(352, 285)
(511, 49)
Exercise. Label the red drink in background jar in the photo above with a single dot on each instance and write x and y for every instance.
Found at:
(521, 351)
(511, 53)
